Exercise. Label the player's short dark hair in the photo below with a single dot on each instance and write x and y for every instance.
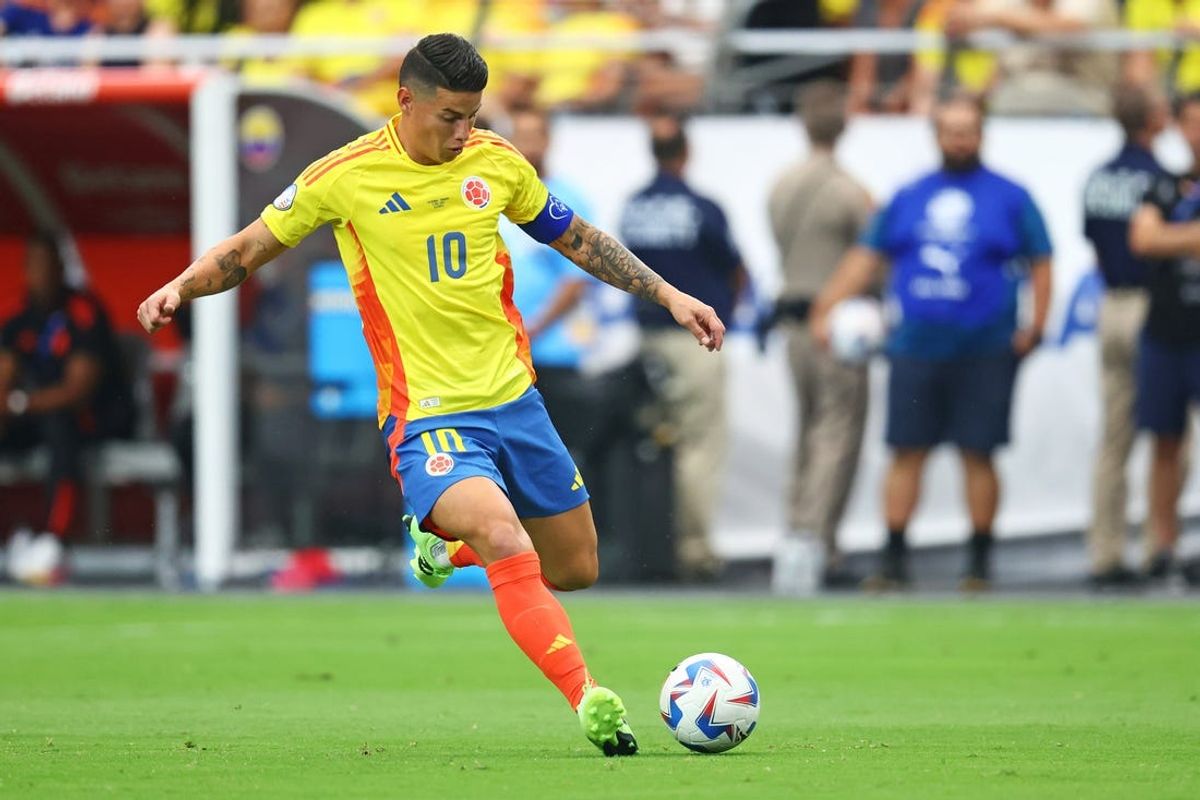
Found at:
(446, 61)
(1183, 101)
(1133, 106)
(822, 107)
(672, 146)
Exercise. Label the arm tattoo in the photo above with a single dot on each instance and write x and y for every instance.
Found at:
(197, 280)
(604, 257)
(232, 271)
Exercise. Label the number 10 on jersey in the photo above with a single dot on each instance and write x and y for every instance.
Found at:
(454, 256)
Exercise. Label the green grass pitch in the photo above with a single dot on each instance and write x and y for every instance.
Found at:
(115, 695)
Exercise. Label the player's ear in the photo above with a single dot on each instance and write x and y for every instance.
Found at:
(404, 99)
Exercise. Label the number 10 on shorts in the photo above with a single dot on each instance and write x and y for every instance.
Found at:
(442, 440)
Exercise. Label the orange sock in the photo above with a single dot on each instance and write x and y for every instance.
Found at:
(461, 555)
(538, 623)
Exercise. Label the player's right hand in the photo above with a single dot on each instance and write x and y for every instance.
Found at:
(159, 309)
(818, 328)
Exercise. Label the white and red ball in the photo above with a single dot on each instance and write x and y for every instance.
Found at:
(710, 703)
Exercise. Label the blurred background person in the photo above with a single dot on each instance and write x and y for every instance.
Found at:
(583, 79)
(687, 238)
(579, 331)
(952, 68)
(196, 16)
(369, 79)
(1176, 71)
(1036, 79)
(817, 213)
(1110, 197)
(51, 18)
(63, 387)
(952, 238)
(1166, 231)
(129, 18)
(261, 17)
(549, 292)
(883, 82)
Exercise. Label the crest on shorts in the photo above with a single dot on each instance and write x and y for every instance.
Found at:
(439, 464)
(476, 193)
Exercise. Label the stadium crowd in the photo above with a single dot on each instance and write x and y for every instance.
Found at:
(951, 379)
(1025, 78)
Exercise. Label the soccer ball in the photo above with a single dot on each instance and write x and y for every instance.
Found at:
(856, 329)
(710, 703)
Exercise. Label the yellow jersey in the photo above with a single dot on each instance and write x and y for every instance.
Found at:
(430, 274)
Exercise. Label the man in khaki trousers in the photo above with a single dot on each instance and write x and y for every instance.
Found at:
(1111, 196)
(687, 238)
(817, 212)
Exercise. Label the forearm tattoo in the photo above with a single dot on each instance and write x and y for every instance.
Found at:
(232, 271)
(604, 257)
(199, 282)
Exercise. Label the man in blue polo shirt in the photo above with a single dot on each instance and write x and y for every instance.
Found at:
(959, 240)
(687, 239)
(1110, 196)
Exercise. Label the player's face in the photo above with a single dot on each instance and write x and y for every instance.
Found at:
(959, 135)
(438, 122)
(1189, 127)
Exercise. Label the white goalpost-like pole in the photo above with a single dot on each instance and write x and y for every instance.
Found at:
(214, 339)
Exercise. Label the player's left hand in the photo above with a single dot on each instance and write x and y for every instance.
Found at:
(698, 318)
(1025, 341)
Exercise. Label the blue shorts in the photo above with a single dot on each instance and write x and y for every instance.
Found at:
(963, 401)
(1168, 381)
(513, 445)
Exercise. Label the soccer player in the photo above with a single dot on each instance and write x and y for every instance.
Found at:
(415, 207)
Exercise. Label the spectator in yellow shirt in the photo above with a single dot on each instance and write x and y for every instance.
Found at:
(264, 17)
(1149, 66)
(370, 79)
(196, 16)
(582, 78)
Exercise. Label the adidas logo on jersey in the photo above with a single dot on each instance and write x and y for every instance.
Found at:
(394, 204)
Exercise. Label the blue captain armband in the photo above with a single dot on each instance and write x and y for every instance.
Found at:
(551, 223)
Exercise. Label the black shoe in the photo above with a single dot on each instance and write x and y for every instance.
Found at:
(1118, 576)
(893, 571)
(1190, 570)
(1159, 568)
(840, 579)
(978, 575)
(972, 583)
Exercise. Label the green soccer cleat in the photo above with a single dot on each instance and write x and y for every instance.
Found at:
(602, 715)
(429, 554)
